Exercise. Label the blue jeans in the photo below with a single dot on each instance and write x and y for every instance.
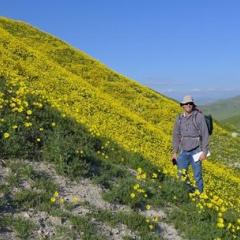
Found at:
(184, 160)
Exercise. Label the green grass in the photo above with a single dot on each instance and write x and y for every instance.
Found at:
(23, 227)
(64, 233)
(196, 225)
(233, 122)
(134, 221)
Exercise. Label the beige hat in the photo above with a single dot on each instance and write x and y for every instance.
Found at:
(187, 99)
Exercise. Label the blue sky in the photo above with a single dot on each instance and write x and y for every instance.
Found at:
(176, 47)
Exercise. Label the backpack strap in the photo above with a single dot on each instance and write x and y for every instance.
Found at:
(195, 113)
(195, 120)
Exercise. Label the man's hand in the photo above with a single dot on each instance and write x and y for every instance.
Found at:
(202, 156)
(174, 156)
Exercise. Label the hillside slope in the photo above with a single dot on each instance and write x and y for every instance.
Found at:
(224, 109)
(227, 112)
(107, 104)
(234, 121)
(144, 102)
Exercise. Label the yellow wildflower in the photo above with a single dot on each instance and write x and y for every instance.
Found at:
(144, 176)
(20, 109)
(56, 194)
(151, 226)
(209, 205)
(12, 105)
(132, 195)
(220, 225)
(29, 112)
(204, 196)
(136, 186)
(148, 206)
(223, 209)
(75, 199)
(139, 170)
(154, 175)
(220, 220)
(27, 124)
(6, 135)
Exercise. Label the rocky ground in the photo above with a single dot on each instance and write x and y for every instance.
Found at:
(87, 198)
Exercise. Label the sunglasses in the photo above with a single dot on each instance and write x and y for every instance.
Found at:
(188, 103)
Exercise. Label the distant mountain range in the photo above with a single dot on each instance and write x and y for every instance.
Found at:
(226, 111)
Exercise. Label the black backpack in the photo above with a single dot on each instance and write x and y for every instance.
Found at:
(208, 120)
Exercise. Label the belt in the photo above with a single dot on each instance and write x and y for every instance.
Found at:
(193, 149)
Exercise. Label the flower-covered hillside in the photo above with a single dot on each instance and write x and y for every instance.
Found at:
(108, 105)
(146, 103)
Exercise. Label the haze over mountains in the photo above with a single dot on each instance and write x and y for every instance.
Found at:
(226, 111)
(201, 97)
(223, 109)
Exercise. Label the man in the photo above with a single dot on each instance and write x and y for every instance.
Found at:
(190, 136)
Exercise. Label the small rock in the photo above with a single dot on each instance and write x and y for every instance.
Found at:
(55, 220)
(26, 215)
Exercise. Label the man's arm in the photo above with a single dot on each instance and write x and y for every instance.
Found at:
(204, 134)
(176, 136)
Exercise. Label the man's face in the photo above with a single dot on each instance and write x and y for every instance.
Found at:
(188, 107)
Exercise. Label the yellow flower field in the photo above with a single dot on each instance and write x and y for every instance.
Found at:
(108, 104)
